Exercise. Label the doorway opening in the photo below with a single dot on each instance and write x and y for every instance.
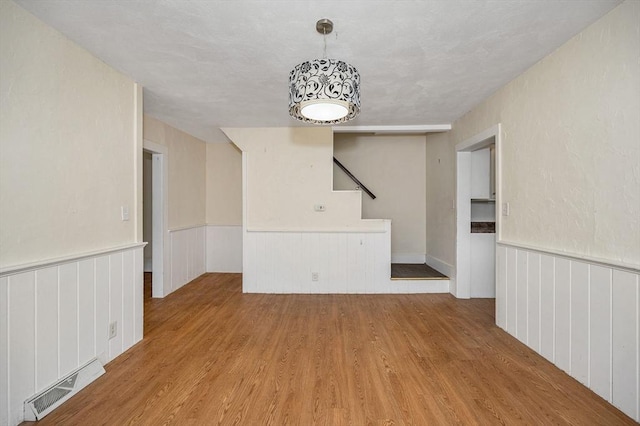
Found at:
(147, 220)
(477, 222)
(155, 211)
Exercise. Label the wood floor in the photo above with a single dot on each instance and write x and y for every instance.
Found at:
(212, 355)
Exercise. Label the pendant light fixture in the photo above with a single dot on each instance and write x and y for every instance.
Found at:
(324, 91)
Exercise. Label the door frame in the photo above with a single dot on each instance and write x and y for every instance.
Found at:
(159, 213)
(461, 286)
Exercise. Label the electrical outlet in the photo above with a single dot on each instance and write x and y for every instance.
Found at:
(113, 329)
(315, 276)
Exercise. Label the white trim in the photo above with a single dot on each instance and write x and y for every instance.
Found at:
(155, 147)
(381, 130)
(138, 158)
(483, 136)
(16, 269)
(245, 235)
(461, 286)
(574, 256)
(321, 231)
(440, 265)
(161, 262)
(184, 228)
(419, 258)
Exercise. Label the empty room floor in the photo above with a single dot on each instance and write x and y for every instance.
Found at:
(213, 355)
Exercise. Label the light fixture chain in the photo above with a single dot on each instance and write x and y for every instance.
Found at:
(324, 36)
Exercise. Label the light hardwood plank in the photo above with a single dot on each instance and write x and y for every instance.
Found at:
(212, 355)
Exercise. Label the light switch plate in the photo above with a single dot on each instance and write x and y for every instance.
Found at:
(505, 209)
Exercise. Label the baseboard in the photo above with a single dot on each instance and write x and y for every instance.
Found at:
(408, 258)
(439, 265)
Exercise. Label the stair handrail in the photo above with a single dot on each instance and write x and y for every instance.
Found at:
(353, 178)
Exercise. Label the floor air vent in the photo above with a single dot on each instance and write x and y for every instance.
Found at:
(41, 404)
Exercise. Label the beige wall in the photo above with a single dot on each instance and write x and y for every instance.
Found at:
(289, 171)
(67, 145)
(571, 144)
(224, 184)
(440, 183)
(187, 172)
(393, 168)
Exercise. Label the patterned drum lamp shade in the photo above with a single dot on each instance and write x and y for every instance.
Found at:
(324, 91)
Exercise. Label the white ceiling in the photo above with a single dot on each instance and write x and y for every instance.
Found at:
(211, 64)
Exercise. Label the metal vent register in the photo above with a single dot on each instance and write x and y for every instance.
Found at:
(41, 404)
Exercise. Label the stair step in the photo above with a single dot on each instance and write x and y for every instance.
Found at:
(414, 271)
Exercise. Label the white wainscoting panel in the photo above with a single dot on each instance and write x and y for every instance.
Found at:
(547, 307)
(346, 262)
(224, 248)
(4, 352)
(533, 301)
(187, 249)
(600, 331)
(581, 315)
(55, 318)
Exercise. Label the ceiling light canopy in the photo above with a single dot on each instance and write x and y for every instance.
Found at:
(324, 91)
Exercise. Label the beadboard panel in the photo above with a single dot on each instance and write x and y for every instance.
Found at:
(86, 309)
(624, 330)
(138, 303)
(533, 301)
(55, 318)
(522, 314)
(580, 322)
(4, 351)
(187, 251)
(581, 315)
(115, 302)
(346, 262)
(47, 326)
(224, 248)
(22, 343)
(562, 314)
(600, 337)
(501, 287)
(547, 307)
(511, 287)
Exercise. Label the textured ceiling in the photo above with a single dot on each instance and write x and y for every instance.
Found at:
(211, 64)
